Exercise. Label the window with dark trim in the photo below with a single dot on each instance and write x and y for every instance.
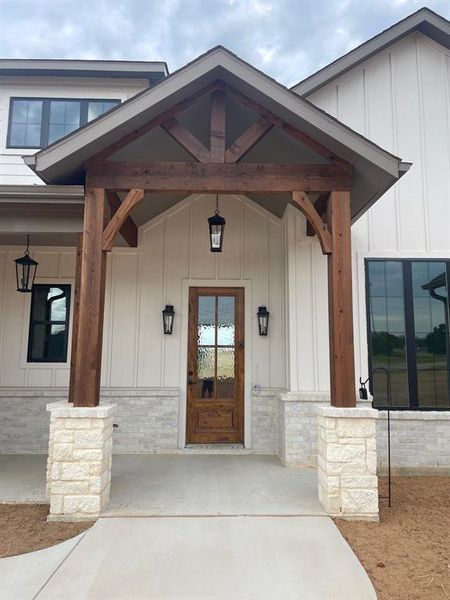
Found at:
(38, 122)
(408, 332)
(49, 323)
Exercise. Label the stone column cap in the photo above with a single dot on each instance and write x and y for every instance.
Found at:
(67, 410)
(336, 412)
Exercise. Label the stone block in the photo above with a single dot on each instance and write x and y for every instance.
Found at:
(74, 471)
(359, 481)
(83, 504)
(355, 428)
(89, 439)
(62, 452)
(70, 487)
(345, 453)
(356, 501)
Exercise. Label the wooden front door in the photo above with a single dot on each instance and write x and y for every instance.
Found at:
(215, 377)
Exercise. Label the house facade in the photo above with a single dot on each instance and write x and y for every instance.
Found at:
(146, 158)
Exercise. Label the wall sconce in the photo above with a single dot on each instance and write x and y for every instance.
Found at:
(25, 270)
(168, 315)
(263, 320)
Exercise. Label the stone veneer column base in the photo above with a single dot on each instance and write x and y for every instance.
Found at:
(79, 461)
(347, 462)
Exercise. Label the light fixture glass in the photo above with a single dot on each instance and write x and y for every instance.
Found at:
(263, 320)
(168, 315)
(216, 229)
(25, 270)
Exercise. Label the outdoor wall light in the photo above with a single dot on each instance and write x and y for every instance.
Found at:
(25, 270)
(263, 320)
(168, 315)
(216, 229)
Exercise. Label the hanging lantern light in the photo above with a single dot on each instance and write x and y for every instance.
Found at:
(216, 229)
(168, 315)
(25, 270)
(263, 320)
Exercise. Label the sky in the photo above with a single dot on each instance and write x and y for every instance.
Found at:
(287, 39)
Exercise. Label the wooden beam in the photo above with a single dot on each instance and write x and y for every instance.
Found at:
(128, 230)
(75, 318)
(119, 218)
(186, 139)
(342, 361)
(86, 391)
(217, 145)
(217, 177)
(292, 131)
(320, 205)
(248, 139)
(301, 201)
(146, 127)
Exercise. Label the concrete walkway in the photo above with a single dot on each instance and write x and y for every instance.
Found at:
(212, 558)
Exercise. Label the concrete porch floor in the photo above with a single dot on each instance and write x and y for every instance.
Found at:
(182, 485)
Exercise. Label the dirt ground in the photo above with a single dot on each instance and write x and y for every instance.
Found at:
(407, 555)
(23, 528)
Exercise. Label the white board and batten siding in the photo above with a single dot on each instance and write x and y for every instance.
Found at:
(399, 99)
(13, 170)
(173, 252)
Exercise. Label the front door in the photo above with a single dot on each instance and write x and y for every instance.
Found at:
(215, 377)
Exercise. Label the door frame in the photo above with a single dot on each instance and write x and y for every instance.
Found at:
(249, 326)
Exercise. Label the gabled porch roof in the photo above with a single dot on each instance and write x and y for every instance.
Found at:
(374, 169)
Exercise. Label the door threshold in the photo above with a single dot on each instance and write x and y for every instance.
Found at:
(217, 449)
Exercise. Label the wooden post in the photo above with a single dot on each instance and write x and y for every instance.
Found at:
(342, 360)
(88, 354)
(75, 318)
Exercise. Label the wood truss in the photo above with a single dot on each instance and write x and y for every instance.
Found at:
(215, 169)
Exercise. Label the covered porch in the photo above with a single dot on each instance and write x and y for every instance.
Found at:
(286, 176)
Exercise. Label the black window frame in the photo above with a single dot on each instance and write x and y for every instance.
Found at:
(68, 288)
(410, 342)
(45, 117)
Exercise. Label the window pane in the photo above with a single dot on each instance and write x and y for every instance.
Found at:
(387, 326)
(48, 342)
(206, 369)
(225, 321)
(49, 328)
(225, 372)
(64, 118)
(95, 109)
(377, 286)
(431, 332)
(26, 123)
(206, 320)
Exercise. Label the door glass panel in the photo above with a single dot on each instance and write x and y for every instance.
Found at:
(225, 372)
(206, 320)
(225, 321)
(206, 371)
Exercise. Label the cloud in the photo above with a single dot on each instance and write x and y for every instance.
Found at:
(288, 39)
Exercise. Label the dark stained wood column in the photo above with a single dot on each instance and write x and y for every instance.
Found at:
(88, 353)
(342, 360)
(75, 318)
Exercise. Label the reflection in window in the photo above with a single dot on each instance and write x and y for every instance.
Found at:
(38, 122)
(49, 323)
(64, 118)
(408, 324)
